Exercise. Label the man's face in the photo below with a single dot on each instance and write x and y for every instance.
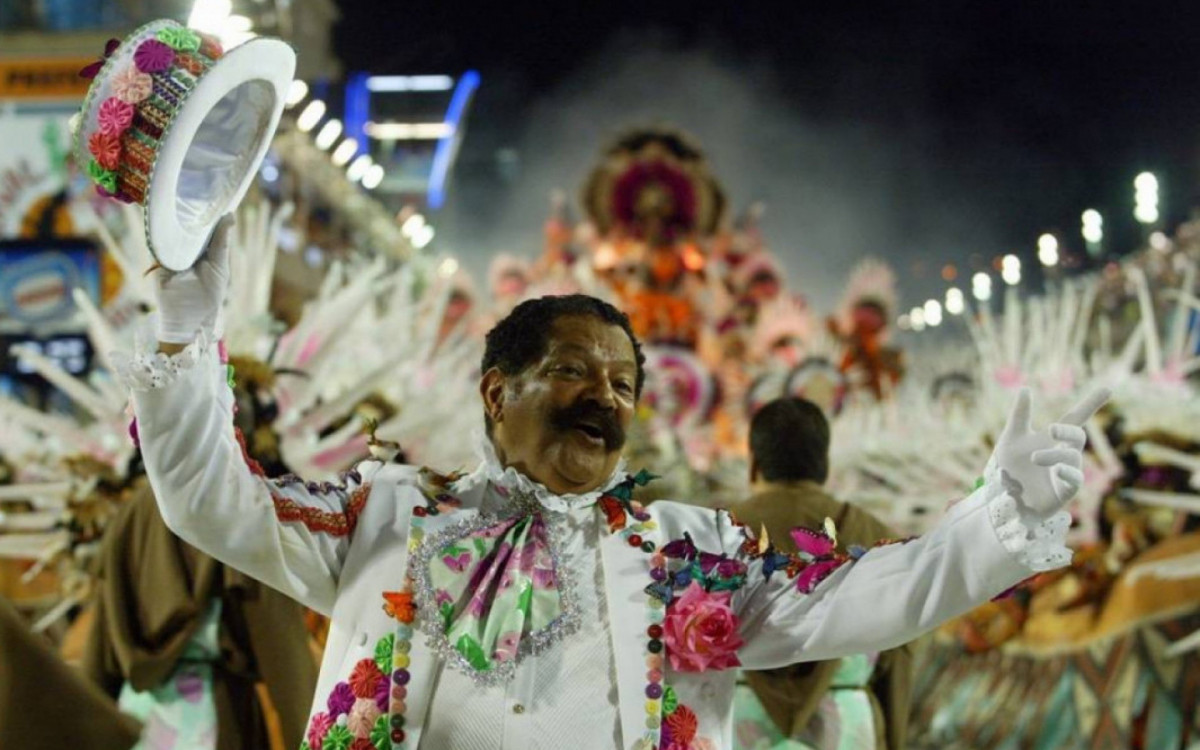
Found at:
(563, 421)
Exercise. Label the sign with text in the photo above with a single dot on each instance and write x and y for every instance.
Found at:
(50, 78)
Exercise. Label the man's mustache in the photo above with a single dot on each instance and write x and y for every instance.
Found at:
(604, 420)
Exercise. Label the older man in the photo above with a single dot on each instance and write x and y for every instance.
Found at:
(551, 610)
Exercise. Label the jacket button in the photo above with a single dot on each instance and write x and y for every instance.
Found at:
(518, 708)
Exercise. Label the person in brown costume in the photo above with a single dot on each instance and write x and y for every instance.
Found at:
(154, 592)
(789, 463)
(46, 703)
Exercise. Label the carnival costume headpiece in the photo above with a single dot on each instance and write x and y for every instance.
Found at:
(180, 126)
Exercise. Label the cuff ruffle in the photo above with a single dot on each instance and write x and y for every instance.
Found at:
(150, 370)
(1037, 543)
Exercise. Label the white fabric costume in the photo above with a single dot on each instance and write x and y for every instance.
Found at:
(339, 549)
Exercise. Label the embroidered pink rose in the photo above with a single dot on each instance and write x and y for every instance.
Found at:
(115, 116)
(132, 85)
(318, 727)
(701, 631)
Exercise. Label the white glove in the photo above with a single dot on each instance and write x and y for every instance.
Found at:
(1043, 470)
(191, 300)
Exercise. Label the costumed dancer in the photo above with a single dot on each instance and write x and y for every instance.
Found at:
(862, 324)
(542, 479)
(534, 579)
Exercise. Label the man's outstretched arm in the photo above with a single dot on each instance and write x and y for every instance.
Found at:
(1008, 529)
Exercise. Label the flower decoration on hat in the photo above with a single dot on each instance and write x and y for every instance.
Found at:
(106, 148)
(153, 56)
(115, 116)
(132, 85)
(136, 99)
(179, 38)
(104, 178)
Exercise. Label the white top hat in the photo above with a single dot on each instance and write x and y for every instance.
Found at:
(176, 124)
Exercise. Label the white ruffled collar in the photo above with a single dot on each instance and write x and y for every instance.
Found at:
(512, 482)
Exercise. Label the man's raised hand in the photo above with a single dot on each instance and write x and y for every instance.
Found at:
(1043, 470)
(191, 300)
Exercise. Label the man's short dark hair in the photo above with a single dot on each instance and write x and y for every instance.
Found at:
(789, 441)
(521, 338)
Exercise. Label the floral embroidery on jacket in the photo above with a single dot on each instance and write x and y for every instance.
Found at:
(356, 711)
(679, 726)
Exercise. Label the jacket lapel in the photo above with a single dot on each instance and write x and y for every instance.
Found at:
(626, 575)
(421, 662)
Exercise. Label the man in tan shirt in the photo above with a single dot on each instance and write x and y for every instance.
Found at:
(789, 463)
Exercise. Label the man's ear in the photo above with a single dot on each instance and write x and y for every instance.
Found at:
(491, 388)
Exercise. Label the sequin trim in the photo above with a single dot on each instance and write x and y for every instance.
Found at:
(430, 623)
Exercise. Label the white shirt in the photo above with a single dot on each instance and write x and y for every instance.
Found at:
(539, 708)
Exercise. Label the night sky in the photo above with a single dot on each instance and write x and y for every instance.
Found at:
(950, 131)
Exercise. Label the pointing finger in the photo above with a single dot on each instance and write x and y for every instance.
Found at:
(1081, 412)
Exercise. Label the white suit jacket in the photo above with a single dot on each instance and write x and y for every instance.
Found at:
(338, 548)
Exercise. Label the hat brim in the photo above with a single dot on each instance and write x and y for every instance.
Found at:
(210, 155)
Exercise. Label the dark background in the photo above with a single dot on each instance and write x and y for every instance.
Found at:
(942, 132)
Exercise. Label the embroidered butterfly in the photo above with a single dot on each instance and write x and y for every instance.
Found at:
(813, 544)
(92, 70)
(819, 550)
(756, 546)
(815, 572)
(681, 578)
(774, 561)
(624, 490)
(680, 549)
(643, 478)
(720, 566)
(399, 604)
(661, 590)
(614, 512)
